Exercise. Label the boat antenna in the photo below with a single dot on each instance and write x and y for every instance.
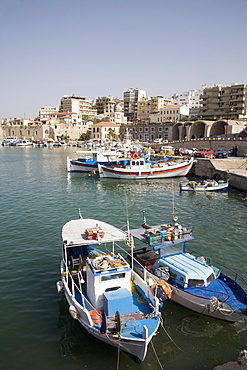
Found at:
(175, 217)
(129, 242)
(80, 215)
(144, 220)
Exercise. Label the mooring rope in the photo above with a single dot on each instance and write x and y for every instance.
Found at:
(118, 356)
(161, 323)
(156, 356)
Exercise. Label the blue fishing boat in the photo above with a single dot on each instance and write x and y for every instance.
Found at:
(198, 282)
(88, 160)
(109, 299)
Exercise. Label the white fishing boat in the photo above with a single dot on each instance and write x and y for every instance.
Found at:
(24, 143)
(140, 168)
(109, 299)
(198, 282)
(204, 185)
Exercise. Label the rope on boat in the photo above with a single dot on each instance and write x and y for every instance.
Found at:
(161, 323)
(156, 356)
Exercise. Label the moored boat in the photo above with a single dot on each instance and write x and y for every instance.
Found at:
(109, 299)
(88, 160)
(197, 282)
(139, 168)
(204, 185)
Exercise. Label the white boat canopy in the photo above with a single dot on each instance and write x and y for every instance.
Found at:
(74, 232)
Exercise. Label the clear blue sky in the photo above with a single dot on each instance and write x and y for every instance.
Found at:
(91, 48)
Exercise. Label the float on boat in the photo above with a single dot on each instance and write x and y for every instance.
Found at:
(109, 299)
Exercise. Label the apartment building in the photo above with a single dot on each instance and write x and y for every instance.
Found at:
(78, 105)
(131, 98)
(224, 102)
(190, 98)
(105, 105)
(48, 112)
(147, 106)
(170, 113)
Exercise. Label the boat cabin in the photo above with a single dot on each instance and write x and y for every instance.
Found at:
(185, 270)
(108, 278)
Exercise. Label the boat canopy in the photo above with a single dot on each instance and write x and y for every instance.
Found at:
(74, 232)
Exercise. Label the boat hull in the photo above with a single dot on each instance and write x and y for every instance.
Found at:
(203, 306)
(146, 173)
(80, 166)
(188, 186)
(136, 348)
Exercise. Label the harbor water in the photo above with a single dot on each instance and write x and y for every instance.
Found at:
(38, 196)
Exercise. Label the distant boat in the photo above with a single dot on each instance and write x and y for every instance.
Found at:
(24, 143)
(9, 140)
(109, 299)
(204, 185)
(139, 168)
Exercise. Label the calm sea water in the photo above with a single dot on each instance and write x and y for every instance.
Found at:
(38, 197)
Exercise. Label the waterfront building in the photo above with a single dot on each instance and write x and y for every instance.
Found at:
(131, 98)
(228, 102)
(105, 130)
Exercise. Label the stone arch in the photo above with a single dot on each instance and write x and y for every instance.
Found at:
(218, 128)
(175, 131)
(197, 130)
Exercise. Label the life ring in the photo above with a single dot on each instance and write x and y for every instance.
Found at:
(165, 286)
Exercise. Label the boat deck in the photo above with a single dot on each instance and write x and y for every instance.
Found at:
(140, 235)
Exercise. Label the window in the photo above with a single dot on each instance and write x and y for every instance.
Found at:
(195, 282)
(113, 276)
(210, 278)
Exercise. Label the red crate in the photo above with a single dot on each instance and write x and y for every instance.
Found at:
(94, 232)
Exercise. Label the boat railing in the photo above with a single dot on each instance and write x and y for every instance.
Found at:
(236, 277)
(76, 289)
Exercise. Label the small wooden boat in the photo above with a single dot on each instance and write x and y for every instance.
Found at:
(109, 299)
(204, 185)
(197, 282)
(137, 169)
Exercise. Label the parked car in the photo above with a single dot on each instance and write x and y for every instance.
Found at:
(221, 153)
(189, 151)
(179, 151)
(204, 152)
